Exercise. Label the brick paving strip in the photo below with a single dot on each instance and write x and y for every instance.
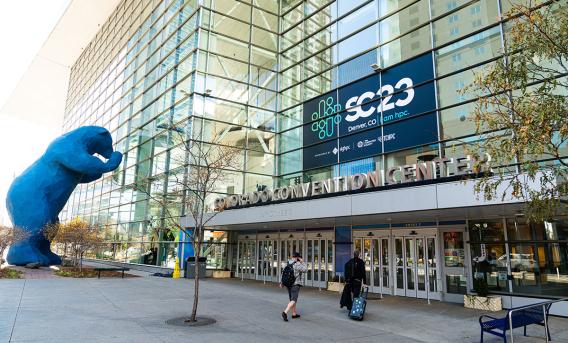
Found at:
(39, 273)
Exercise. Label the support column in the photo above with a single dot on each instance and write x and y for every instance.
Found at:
(343, 244)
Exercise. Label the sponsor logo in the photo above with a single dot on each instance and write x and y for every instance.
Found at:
(335, 151)
(325, 120)
(366, 143)
(386, 138)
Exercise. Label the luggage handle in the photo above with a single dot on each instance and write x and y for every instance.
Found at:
(364, 291)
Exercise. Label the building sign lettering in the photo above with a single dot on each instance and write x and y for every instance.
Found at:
(437, 168)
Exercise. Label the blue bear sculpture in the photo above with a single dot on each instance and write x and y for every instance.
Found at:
(36, 197)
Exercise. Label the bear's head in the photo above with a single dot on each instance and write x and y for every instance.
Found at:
(96, 139)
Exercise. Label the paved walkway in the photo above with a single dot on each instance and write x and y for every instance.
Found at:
(135, 310)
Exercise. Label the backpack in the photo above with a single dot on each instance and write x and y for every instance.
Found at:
(288, 277)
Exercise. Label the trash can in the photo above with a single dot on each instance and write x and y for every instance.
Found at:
(190, 267)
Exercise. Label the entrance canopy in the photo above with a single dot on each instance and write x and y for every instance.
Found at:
(434, 202)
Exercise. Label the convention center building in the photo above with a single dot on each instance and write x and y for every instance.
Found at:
(354, 135)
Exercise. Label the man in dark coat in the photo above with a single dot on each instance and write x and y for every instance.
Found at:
(355, 274)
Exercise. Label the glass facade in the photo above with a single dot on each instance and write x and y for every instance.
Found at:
(238, 72)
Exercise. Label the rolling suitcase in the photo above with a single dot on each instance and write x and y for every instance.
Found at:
(359, 304)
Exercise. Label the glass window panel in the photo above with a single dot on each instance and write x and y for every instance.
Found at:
(317, 42)
(290, 118)
(344, 6)
(553, 267)
(261, 141)
(448, 87)
(268, 5)
(356, 20)
(263, 120)
(441, 7)
(472, 50)
(231, 27)
(457, 121)
(507, 5)
(454, 252)
(489, 263)
(518, 230)
(404, 21)
(486, 231)
(263, 98)
(358, 43)
(293, 16)
(260, 162)
(255, 182)
(322, 19)
(318, 63)
(227, 68)
(524, 267)
(318, 85)
(265, 39)
(263, 58)
(424, 153)
(389, 6)
(291, 76)
(292, 56)
(264, 19)
(291, 37)
(291, 139)
(227, 89)
(406, 47)
(225, 45)
(318, 174)
(263, 77)
(465, 21)
(357, 67)
(223, 133)
(552, 230)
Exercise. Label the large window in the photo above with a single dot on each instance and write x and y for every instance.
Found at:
(537, 258)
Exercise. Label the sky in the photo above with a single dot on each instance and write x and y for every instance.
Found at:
(24, 27)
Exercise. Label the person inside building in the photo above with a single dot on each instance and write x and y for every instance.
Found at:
(355, 274)
(299, 269)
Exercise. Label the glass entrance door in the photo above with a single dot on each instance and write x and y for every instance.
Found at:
(288, 247)
(246, 259)
(416, 267)
(319, 260)
(375, 253)
(268, 260)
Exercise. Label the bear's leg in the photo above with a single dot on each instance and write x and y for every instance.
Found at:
(44, 247)
(25, 252)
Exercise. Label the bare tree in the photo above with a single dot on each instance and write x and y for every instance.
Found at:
(8, 236)
(78, 236)
(201, 168)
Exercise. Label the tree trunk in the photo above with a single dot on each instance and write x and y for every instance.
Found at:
(196, 288)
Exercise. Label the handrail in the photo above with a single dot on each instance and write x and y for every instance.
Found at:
(544, 312)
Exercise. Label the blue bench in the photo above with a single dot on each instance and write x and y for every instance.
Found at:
(521, 317)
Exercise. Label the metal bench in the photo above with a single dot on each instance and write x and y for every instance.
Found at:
(518, 317)
(101, 269)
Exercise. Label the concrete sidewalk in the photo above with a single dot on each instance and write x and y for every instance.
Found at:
(135, 310)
